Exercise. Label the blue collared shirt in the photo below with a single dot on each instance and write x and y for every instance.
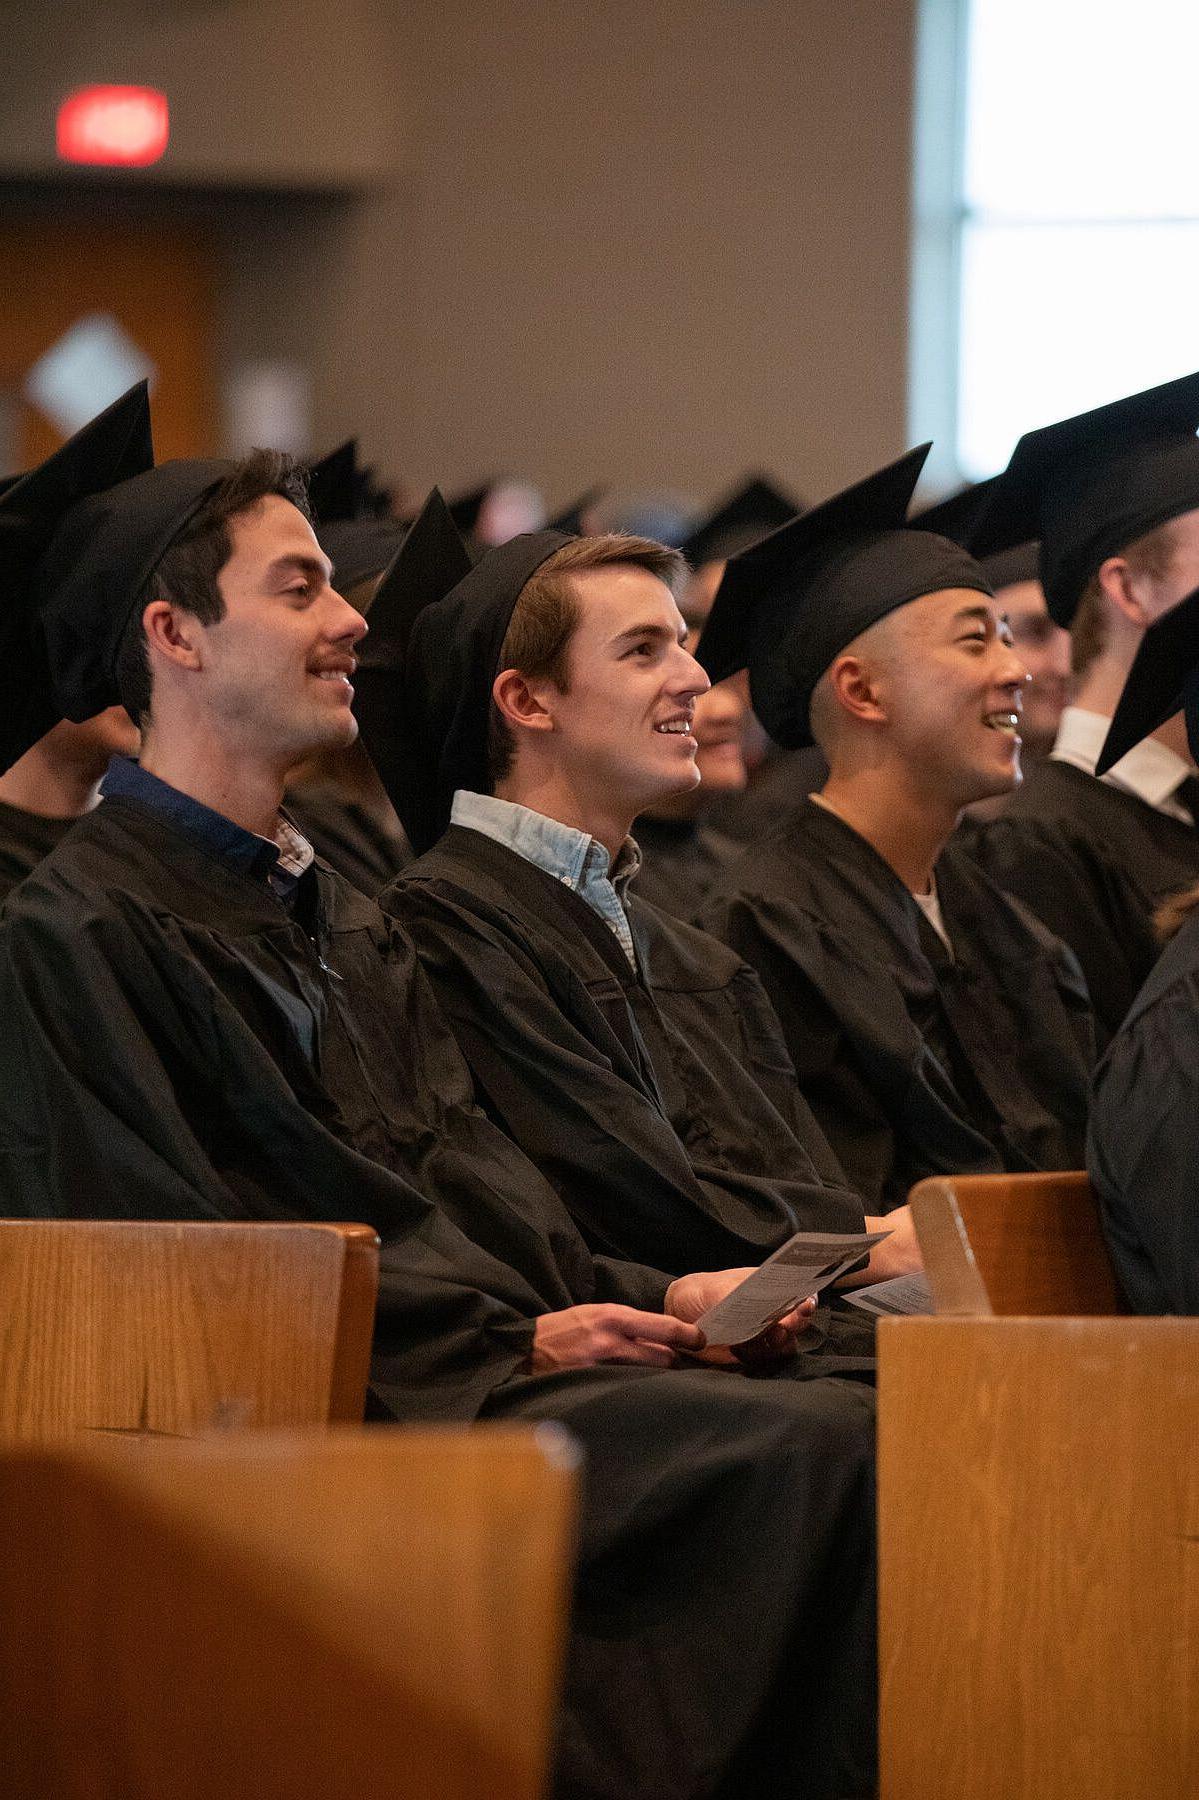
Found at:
(572, 857)
(280, 863)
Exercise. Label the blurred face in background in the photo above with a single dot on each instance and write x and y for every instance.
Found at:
(695, 606)
(1044, 649)
(720, 722)
(511, 507)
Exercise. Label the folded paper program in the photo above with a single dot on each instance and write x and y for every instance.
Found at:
(805, 1264)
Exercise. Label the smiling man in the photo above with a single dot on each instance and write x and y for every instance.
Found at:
(202, 1021)
(934, 1026)
(522, 713)
(1113, 497)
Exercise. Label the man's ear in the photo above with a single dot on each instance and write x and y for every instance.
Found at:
(520, 702)
(1116, 581)
(172, 633)
(855, 689)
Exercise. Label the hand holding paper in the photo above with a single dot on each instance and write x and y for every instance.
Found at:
(804, 1265)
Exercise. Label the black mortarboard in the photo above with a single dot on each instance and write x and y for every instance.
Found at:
(465, 509)
(571, 519)
(333, 484)
(789, 605)
(426, 671)
(352, 517)
(959, 517)
(1089, 486)
(109, 450)
(740, 520)
(96, 570)
(1163, 680)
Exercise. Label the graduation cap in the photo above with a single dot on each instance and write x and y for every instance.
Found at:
(333, 483)
(465, 509)
(788, 606)
(352, 515)
(571, 519)
(743, 517)
(959, 518)
(1163, 680)
(1090, 485)
(423, 686)
(109, 450)
(97, 567)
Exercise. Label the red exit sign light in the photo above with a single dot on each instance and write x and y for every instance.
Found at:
(123, 127)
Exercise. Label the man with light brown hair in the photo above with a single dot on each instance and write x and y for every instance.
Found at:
(1113, 497)
(633, 1058)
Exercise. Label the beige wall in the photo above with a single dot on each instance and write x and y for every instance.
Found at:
(649, 243)
(292, 93)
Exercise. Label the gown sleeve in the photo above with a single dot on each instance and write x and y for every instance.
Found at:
(1143, 1151)
(131, 1088)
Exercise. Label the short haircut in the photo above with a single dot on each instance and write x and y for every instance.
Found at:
(546, 615)
(187, 575)
(1150, 555)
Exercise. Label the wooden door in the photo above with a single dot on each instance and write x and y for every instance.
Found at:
(157, 280)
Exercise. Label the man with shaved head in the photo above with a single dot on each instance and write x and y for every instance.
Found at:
(934, 1025)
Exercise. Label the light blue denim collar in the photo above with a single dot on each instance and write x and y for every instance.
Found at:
(573, 857)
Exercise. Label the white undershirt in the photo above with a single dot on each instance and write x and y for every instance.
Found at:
(930, 906)
(928, 903)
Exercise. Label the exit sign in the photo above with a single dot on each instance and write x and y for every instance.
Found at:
(123, 127)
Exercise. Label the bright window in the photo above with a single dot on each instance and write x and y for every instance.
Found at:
(1069, 265)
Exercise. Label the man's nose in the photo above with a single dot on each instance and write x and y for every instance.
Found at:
(688, 679)
(1014, 671)
(349, 626)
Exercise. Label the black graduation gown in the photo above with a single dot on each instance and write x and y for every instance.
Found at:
(780, 785)
(1143, 1145)
(914, 1063)
(175, 1045)
(680, 859)
(25, 838)
(661, 1104)
(1092, 863)
(364, 843)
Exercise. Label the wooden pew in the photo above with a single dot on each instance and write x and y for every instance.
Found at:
(1039, 1558)
(1025, 1245)
(170, 1329)
(374, 1612)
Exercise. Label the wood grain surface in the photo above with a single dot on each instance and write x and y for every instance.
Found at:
(1025, 1245)
(364, 1612)
(1039, 1575)
(180, 1328)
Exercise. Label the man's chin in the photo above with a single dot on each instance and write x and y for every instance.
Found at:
(331, 733)
(677, 798)
(992, 784)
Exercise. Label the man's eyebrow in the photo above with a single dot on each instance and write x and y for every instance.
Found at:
(982, 613)
(303, 562)
(651, 629)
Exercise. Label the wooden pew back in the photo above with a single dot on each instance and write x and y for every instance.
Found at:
(1024, 1245)
(168, 1328)
(264, 1616)
(1039, 1558)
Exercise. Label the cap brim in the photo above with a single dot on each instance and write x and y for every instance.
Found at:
(1157, 683)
